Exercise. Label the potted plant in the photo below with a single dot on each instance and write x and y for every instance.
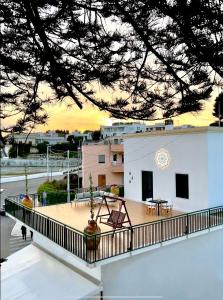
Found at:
(92, 230)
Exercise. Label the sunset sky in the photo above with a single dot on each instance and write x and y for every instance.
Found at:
(60, 117)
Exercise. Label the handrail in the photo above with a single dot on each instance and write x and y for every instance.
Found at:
(44, 216)
(120, 241)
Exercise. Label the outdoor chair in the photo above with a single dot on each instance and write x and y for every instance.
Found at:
(150, 207)
(167, 208)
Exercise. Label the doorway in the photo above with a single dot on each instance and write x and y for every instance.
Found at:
(101, 180)
(147, 185)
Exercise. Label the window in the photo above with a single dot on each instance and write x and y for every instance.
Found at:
(114, 157)
(101, 159)
(182, 186)
(122, 158)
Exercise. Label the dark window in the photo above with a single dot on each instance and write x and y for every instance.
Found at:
(122, 158)
(101, 159)
(182, 186)
(114, 157)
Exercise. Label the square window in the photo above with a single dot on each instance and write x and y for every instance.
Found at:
(182, 186)
(101, 159)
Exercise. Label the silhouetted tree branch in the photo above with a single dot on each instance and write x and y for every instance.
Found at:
(163, 56)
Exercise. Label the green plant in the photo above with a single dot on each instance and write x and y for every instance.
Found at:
(91, 198)
(47, 187)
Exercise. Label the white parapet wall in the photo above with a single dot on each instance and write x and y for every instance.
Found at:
(186, 270)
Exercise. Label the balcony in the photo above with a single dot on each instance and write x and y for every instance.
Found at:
(63, 224)
(117, 148)
(117, 167)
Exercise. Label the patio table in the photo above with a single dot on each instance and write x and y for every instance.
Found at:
(158, 202)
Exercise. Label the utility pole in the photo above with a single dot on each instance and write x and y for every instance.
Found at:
(78, 170)
(68, 176)
(47, 161)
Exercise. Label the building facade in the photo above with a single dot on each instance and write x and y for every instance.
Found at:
(182, 166)
(104, 161)
(119, 128)
(84, 136)
(36, 138)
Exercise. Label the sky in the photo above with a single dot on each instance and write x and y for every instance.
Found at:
(90, 118)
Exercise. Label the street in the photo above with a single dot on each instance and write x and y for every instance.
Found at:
(18, 187)
(14, 188)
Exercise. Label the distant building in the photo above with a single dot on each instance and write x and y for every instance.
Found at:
(105, 162)
(84, 136)
(39, 137)
(119, 128)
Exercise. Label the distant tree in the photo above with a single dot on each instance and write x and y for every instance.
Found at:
(62, 132)
(96, 135)
(163, 57)
(218, 107)
(64, 147)
(70, 139)
(42, 147)
(21, 149)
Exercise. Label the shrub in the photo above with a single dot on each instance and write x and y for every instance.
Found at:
(47, 187)
(55, 192)
(58, 197)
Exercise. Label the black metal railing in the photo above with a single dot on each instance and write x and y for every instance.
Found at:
(113, 243)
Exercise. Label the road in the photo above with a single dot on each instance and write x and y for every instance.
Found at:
(6, 224)
(18, 187)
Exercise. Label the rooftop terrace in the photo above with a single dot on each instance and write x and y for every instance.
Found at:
(63, 224)
(76, 216)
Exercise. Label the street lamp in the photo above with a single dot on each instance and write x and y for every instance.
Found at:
(78, 170)
(68, 176)
(47, 161)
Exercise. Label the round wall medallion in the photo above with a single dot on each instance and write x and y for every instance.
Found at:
(162, 158)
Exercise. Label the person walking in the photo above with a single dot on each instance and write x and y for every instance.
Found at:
(23, 229)
(31, 234)
(44, 198)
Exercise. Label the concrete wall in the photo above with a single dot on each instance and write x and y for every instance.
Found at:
(186, 270)
(90, 164)
(188, 155)
(215, 169)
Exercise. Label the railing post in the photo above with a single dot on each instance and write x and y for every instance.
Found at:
(65, 236)
(23, 215)
(209, 218)
(187, 225)
(161, 229)
(47, 227)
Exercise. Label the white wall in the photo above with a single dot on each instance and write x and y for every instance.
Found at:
(215, 169)
(187, 270)
(189, 155)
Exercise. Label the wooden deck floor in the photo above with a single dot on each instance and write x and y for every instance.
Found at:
(76, 216)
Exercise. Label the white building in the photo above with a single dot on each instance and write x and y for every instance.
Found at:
(184, 166)
(36, 138)
(119, 128)
(84, 136)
